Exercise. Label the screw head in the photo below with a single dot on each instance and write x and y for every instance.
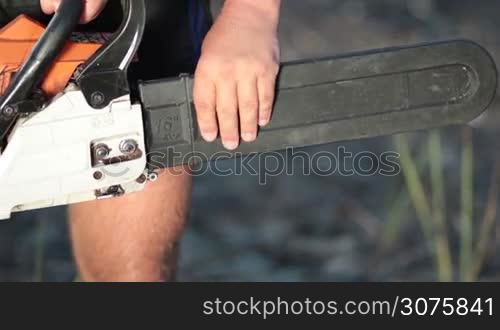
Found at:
(97, 99)
(101, 151)
(98, 175)
(152, 176)
(142, 179)
(128, 146)
(9, 111)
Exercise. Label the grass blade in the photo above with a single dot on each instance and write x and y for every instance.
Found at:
(487, 229)
(439, 207)
(467, 208)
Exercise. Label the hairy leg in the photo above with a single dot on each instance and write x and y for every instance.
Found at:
(135, 237)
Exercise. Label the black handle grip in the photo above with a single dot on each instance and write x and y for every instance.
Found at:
(103, 77)
(44, 53)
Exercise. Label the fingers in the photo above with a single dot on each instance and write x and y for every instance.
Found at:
(204, 101)
(227, 113)
(266, 87)
(49, 6)
(91, 10)
(230, 107)
(248, 105)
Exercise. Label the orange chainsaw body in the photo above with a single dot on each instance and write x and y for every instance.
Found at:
(16, 42)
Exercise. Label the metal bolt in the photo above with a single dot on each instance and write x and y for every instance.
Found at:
(97, 99)
(101, 151)
(9, 111)
(142, 179)
(152, 176)
(128, 146)
(98, 175)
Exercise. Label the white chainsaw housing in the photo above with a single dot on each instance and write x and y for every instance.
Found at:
(49, 161)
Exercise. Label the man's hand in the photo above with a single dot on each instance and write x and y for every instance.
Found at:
(235, 79)
(91, 10)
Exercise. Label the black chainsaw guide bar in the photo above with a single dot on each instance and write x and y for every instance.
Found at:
(347, 97)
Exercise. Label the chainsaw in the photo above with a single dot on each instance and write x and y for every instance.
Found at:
(73, 128)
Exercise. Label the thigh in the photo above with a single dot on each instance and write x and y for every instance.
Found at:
(133, 238)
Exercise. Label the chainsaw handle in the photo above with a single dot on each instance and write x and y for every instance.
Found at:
(44, 53)
(103, 77)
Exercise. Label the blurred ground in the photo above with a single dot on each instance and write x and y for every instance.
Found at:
(310, 228)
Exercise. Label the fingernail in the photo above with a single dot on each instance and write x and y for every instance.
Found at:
(209, 136)
(263, 122)
(248, 137)
(230, 145)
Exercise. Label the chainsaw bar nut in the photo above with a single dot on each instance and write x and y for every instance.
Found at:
(101, 151)
(128, 147)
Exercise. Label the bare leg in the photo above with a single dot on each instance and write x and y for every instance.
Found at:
(135, 237)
